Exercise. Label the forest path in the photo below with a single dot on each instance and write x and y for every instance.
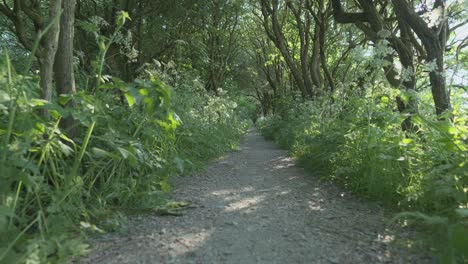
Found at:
(257, 206)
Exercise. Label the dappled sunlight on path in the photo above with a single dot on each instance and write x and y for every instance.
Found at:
(257, 206)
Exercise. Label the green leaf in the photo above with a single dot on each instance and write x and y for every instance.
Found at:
(127, 155)
(124, 153)
(37, 102)
(179, 163)
(405, 142)
(66, 150)
(385, 99)
(174, 120)
(417, 119)
(99, 153)
(130, 99)
(91, 227)
(165, 186)
(143, 92)
(122, 16)
(4, 97)
(64, 99)
(102, 44)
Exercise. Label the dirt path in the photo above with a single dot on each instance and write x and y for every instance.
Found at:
(256, 206)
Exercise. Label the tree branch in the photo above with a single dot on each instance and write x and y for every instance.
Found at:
(409, 15)
(345, 18)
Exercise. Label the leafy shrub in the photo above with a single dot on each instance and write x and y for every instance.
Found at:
(358, 142)
(129, 142)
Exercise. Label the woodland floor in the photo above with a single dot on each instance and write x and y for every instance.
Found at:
(257, 206)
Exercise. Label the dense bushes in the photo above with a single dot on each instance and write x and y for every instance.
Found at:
(130, 138)
(359, 143)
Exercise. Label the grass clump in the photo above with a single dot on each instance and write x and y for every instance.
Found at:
(130, 138)
(359, 143)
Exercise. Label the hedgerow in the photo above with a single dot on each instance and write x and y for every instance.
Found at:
(359, 143)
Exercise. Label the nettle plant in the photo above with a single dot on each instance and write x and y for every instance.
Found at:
(51, 186)
(423, 172)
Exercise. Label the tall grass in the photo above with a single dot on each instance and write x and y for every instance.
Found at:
(358, 142)
(54, 190)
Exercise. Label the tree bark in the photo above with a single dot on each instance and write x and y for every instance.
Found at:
(315, 60)
(50, 44)
(323, 28)
(434, 41)
(438, 84)
(305, 70)
(403, 46)
(63, 67)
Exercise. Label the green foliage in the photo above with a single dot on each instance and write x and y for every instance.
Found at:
(142, 113)
(130, 141)
(359, 143)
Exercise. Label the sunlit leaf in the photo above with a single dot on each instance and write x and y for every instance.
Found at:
(130, 99)
(4, 97)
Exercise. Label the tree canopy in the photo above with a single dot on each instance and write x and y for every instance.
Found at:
(101, 101)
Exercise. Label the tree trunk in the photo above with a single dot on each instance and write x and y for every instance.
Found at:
(315, 60)
(438, 85)
(323, 27)
(405, 51)
(63, 67)
(304, 50)
(276, 35)
(409, 106)
(434, 40)
(49, 45)
(403, 46)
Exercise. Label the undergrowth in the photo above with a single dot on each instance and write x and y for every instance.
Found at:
(358, 142)
(131, 137)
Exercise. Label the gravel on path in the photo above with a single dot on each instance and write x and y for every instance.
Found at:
(257, 206)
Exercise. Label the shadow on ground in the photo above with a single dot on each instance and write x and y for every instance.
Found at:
(257, 206)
